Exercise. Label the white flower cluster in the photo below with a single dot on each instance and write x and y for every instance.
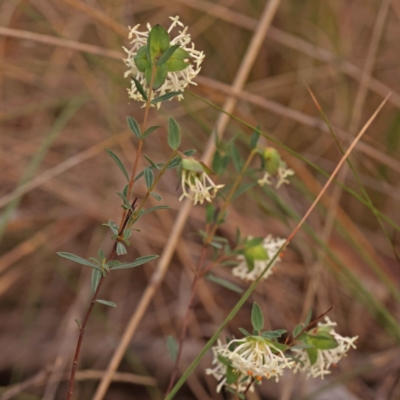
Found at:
(200, 185)
(283, 173)
(325, 358)
(253, 357)
(271, 245)
(175, 81)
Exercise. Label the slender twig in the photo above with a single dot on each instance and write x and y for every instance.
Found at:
(82, 327)
(187, 318)
(139, 150)
(200, 271)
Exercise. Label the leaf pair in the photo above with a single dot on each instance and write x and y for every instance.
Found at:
(157, 57)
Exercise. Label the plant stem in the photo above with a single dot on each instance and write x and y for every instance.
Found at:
(200, 271)
(89, 311)
(124, 219)
(139, 150)
(186, 319)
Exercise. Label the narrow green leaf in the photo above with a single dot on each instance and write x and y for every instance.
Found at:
(134, 126)
(167, 55)
(157, 42)
(125, 200)
(156, 196)
(242, 189)
(121, 249)
(165, 96)
(139, 87)
(178, 61)
(77, 259)
(224, 283)
(118, 162)
(151, 209)
(245, 333)
(136, 263)
(152, 163)
(174, 134)
(308, 319)
(172, 346)
(254, 139)
(236, 158)
(312, 355)
(298, 328)
(210, 213)
(257, 318)
(141, 60)
(161, 73)
(150, 131)
(96, 276)
(78, 323)
(148, 177)
(106, 303)
(302, 346)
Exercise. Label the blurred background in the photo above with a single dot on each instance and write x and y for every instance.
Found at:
(64, 99)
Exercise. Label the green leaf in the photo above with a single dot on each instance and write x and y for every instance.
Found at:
(298, 328)
(96, 276)
(156, 196)
(236, 158)
(152, 163)
(174, 135)
(172, 346)
(121, 249)
(167, 55)
(136, 263)
(308, 319)
(161, 73)
(176, 61)
(125, 200)
(139, 88)
(224, 283)
(118, 162)
(242, 189)
(141, 60)
(273, 334)
(231, 375)
(312, 355)
(302, 346)
(157, 42)
(210, 213)
(322, 341)
(165, 96)
(151, 209)
(148, 177)
(245, 333)
(106, 303)
(257, 318)
(77, 259)
(254, 138)
(150, 131)
(134, 126)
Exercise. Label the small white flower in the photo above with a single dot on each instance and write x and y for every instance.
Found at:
(256, 357)
(219, 371)
(325, 358)
(283, 173)
(271, 245)
(200, 185)
(175, 81)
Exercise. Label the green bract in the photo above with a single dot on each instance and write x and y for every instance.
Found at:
(272, 160)
(159, 57)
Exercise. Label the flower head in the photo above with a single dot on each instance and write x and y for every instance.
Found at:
(257, 257)
(195, 178)
(275, 168)
(221, 374)
(253, 357)
(176, 74)
(317, 362)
